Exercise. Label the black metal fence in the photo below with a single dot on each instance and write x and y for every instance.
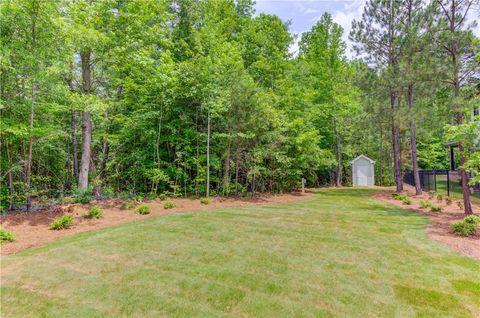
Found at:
(444, 182)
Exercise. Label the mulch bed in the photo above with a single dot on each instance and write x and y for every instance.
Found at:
(33, 229)
(439, 228)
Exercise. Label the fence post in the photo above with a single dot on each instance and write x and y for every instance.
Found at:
(435, 179)
(448, 183)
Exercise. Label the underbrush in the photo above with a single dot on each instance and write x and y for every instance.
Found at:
(94, 213)
(143, 209)
(169, 205)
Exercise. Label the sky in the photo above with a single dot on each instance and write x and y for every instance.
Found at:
(303, 14)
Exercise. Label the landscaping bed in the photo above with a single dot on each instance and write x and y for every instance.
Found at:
(440, 227)
(34, 229)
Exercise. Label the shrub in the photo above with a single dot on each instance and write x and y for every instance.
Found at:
(62, 222)
(425, 204)
(169, 205)
(204, 201)
(435, 208)
(143, 209)
(94, 213)
(431, 194)
(407, 200)
(83, 197)
(472, 219)
(399, 196)
(68, 200)
(162, 196)
(448, 200)
(463, 228)
(151, 196)
(128, 205)
(6, 236)
(439, 197)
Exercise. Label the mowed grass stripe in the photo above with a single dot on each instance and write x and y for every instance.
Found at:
(337, 253)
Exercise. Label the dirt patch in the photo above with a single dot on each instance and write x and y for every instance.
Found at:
(33, 229)
(439, 228)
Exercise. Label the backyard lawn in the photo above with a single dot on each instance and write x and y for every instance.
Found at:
(335, 253)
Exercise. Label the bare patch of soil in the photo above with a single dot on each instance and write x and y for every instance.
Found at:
(33, 229)
(439, 228)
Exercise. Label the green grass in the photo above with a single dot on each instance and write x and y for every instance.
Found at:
(337, 253)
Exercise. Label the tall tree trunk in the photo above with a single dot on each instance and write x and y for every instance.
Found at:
(86, 124)
(237, 163)
(28, 163)
(338, 173)
(413, 142)
(395, 143)
(226, 176)
(73, 127)
(11, 201)
(208, 150)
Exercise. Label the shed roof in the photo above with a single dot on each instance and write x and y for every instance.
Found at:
(364, 157)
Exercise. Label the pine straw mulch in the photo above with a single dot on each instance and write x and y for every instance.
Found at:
(439, 228)
(33, 229)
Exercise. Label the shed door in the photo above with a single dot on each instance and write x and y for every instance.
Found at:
(362, 175)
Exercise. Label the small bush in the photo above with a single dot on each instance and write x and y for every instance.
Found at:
(439, 197)
(94, 213)
(128, 205)
(431, 194)
(143, 209)
(83, 197)
(463, 228)
(6, 236)
(435, 208)
(448, 200)
(68, 200)
(204, 201)
(62, 222)
(169, 205)
(472, 219)
(151, 196)
(425, 204)
(407, 200)
(162, 197)
(399, 196)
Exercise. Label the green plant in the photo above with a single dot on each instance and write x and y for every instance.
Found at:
(425, 204)
(151, 196)
(169, 205)
(463, 228)
(62, 222)
(472, 219)
(143, 209)
(94, 213)
(162, 196)
(399, 196)
(83, 197)
(448, 200)
(435, 208)
(407, 200)
(204, 201)
(439, 197)
(431, 194)
(6, 236)
(68, 200)
(128, 205)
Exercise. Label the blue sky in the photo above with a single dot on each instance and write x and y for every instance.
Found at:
(303, 14)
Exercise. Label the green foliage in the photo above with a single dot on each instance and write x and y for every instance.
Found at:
(425, 204)
(204, 201)
(162, 197)
(439, 197)
(94, 213)
(62, 222)
(463, 228)
(435, 208)
(83, 197)
(143, 209)
(68, 200)
(6, 236)
(431, 194)
(472, 219)
(407, 200)
(169, 205)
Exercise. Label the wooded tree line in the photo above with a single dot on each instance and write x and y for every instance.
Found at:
(189, 97)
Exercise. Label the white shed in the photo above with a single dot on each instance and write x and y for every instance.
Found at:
(363, 171)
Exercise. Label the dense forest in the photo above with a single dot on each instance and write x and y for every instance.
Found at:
(141, 98)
